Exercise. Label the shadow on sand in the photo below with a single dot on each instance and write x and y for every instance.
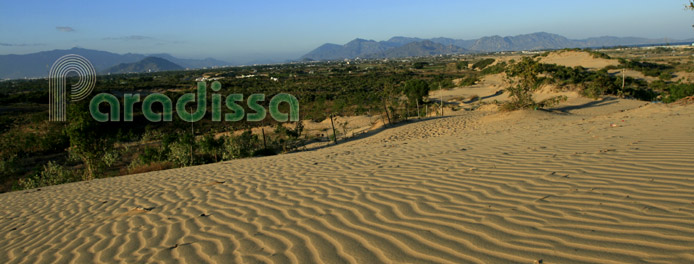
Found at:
(596, 103)
(373, 132)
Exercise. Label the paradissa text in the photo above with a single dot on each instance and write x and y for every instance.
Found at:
(237, 113)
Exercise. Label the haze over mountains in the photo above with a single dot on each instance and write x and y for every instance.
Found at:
(149, 64)
(35, 65)
(412, 47)
(38, 64)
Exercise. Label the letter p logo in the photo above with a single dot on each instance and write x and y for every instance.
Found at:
(57, 76)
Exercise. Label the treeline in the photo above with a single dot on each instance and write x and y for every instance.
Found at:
(35, 152)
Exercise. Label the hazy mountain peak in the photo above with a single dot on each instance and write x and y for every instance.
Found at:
(148, 64)
(37, 64)
(398, 46)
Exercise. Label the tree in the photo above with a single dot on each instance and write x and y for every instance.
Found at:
(416, 90)
(89, 139)
(521, 91)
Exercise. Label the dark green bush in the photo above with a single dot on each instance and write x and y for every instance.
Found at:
(496, 68)
(470, 80)
(51, 174)
(679, 91)
(483, 63)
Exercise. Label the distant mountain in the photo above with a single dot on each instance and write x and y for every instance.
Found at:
(393, 48)
(355, 48)
(38, 64)
(149, 64)
(535, 41)
(418, 49)
(192, 63)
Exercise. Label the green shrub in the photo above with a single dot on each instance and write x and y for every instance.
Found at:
(211, 148)
(110, 158)
(181, 151)
(483, 63)
(240, 146)
(679, 91)
(470, 80)
(598, 55)
(496, 68)
(665, 76)
(180, 154)
(52, 174)
(416, 90)
(9, 165)
(647, 68)
(420, 64)
(520, 93)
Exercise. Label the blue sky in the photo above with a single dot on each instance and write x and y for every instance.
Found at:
(242, 31)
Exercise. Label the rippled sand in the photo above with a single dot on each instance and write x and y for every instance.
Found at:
(594, 182)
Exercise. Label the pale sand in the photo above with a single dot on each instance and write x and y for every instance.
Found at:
(577, 58)
(473, 187)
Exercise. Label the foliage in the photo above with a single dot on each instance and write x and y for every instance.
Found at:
(470, 80)
(483, 63)
(52, 174)
(647, 68)
(416, 90)
(241, 146)
(8, 165)
(494, 69)
(462, 65)
(88, 139)
(678, 91)
(181, 151)
(419, 65)
(287, 139)
(210, 147)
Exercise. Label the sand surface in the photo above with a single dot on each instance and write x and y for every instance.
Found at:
(578, 58)
(609, 181)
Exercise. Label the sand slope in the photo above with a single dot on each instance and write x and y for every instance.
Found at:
(476, 187)
(578, 58)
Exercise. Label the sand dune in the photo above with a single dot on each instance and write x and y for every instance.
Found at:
(608, 181)
(578, 58)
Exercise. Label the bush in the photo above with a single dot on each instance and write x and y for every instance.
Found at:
(470, 80)
(180, 154)
(8, 165)
(241, 146)
(419, 64)
(52, 174)
(497, 68)
(211, 147)
(679, 91)
(598, 55)
(483, 63)
(593, 90)
(416, 89)
(110, 158)
(647, 68)
(89, 139)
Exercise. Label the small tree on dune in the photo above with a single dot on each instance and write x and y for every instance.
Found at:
(520, 92)
(416, 90)
(89, 139)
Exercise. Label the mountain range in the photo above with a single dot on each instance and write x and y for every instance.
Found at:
(149, 64)
(398, 47)
(38, 64)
